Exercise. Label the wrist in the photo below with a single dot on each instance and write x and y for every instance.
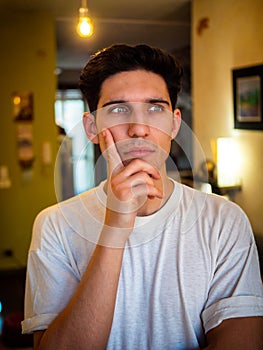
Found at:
(116, 229)
(119, 220)
(114, 237)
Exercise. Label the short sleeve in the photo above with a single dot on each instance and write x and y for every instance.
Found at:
(236, 288)
(49, 274)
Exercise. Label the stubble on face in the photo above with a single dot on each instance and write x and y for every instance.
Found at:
(138, 87)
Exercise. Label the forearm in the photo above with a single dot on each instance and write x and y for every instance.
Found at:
(86, 321)
(237, 334)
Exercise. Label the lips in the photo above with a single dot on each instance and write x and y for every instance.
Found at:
(132, 149)
(138, 152)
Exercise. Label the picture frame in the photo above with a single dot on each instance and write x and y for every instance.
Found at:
(23, 106)
(248, 97)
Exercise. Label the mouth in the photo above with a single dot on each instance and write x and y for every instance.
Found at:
(138, 152)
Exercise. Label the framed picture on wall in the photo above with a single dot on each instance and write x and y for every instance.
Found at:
(23, 106)
(248, 97)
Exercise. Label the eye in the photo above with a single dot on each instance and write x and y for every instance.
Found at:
(119, 109)
(156, 108)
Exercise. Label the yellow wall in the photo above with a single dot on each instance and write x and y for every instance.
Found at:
(233, 39)
(27, 63)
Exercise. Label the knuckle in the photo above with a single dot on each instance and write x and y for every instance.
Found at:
(145, 177)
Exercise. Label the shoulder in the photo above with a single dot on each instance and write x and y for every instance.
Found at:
(212, 200)
(72, 205)
(211, 210)
(65, 217)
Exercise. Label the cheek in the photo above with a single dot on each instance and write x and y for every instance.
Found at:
(119, 132)
(161, 138)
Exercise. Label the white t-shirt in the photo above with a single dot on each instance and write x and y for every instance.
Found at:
(185, 268)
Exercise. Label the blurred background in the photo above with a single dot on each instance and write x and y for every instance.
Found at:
(41, 106)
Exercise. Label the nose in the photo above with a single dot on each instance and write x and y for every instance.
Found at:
(138, 129)
(138, 126)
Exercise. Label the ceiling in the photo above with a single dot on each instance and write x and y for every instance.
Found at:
(163, 23)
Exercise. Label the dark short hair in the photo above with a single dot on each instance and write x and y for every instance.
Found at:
(119, 58)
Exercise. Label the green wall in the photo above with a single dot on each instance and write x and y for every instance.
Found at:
(27, 63)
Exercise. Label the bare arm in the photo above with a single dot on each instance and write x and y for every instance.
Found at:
(244, 333)
(86, 321)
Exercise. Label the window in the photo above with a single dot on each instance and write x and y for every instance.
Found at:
(69, 109)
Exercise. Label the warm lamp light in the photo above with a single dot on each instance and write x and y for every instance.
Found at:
(85, 26)
(228, 162)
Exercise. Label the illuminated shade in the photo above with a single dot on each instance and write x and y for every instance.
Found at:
(85, 26)
(228, 162)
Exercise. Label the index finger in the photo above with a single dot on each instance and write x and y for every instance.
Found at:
(112, 156)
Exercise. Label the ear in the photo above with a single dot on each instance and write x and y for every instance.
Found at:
(90, 127)
(176, 122)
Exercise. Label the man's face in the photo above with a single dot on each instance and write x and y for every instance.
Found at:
(135, 106)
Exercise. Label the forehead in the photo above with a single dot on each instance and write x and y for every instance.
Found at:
(133, 86)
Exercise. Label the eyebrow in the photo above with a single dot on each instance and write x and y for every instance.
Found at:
(158, 100)
(151, 100)
(113, 102)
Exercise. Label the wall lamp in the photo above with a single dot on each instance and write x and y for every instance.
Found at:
(227, 160)
(85, 26)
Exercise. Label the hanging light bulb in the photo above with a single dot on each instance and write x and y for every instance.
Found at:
(85, 25)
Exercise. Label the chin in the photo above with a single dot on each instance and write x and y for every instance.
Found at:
(156, 160)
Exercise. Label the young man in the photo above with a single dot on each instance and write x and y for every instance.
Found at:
(141, 261)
